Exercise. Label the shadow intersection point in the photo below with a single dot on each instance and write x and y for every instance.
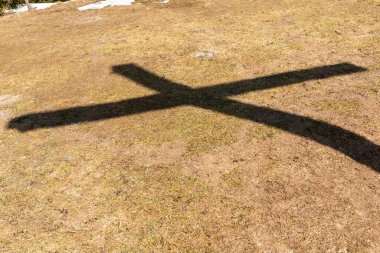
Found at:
(215, 98)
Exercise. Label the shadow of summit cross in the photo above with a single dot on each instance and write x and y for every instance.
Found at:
(215, 98)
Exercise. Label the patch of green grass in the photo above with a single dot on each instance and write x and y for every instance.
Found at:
(262, 132)
(347, 107)
(201, 130)
(149, 41)
(366, 45)
(233, 179)
(374, 87)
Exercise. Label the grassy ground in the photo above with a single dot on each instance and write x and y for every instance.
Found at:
(187, 179)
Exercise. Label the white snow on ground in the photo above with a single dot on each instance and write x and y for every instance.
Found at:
(105, 3)
(36, 6)
(9, 98)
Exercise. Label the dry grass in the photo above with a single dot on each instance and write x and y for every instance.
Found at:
(188, 179)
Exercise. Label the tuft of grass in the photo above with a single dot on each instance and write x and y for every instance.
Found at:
(234, 179)
(347, 107)
(374, 87)
(262, 132)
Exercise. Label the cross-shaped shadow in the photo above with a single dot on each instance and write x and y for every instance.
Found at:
(214, 98)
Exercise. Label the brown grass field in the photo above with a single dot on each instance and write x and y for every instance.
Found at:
(116, 137)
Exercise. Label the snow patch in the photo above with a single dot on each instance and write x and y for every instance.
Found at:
(204, 54)
(105, 3)
(36, 6)
(9, 98)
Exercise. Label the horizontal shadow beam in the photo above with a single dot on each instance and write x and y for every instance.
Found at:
(89, 113)
(282, 79)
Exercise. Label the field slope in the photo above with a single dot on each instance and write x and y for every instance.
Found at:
(191, 126)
